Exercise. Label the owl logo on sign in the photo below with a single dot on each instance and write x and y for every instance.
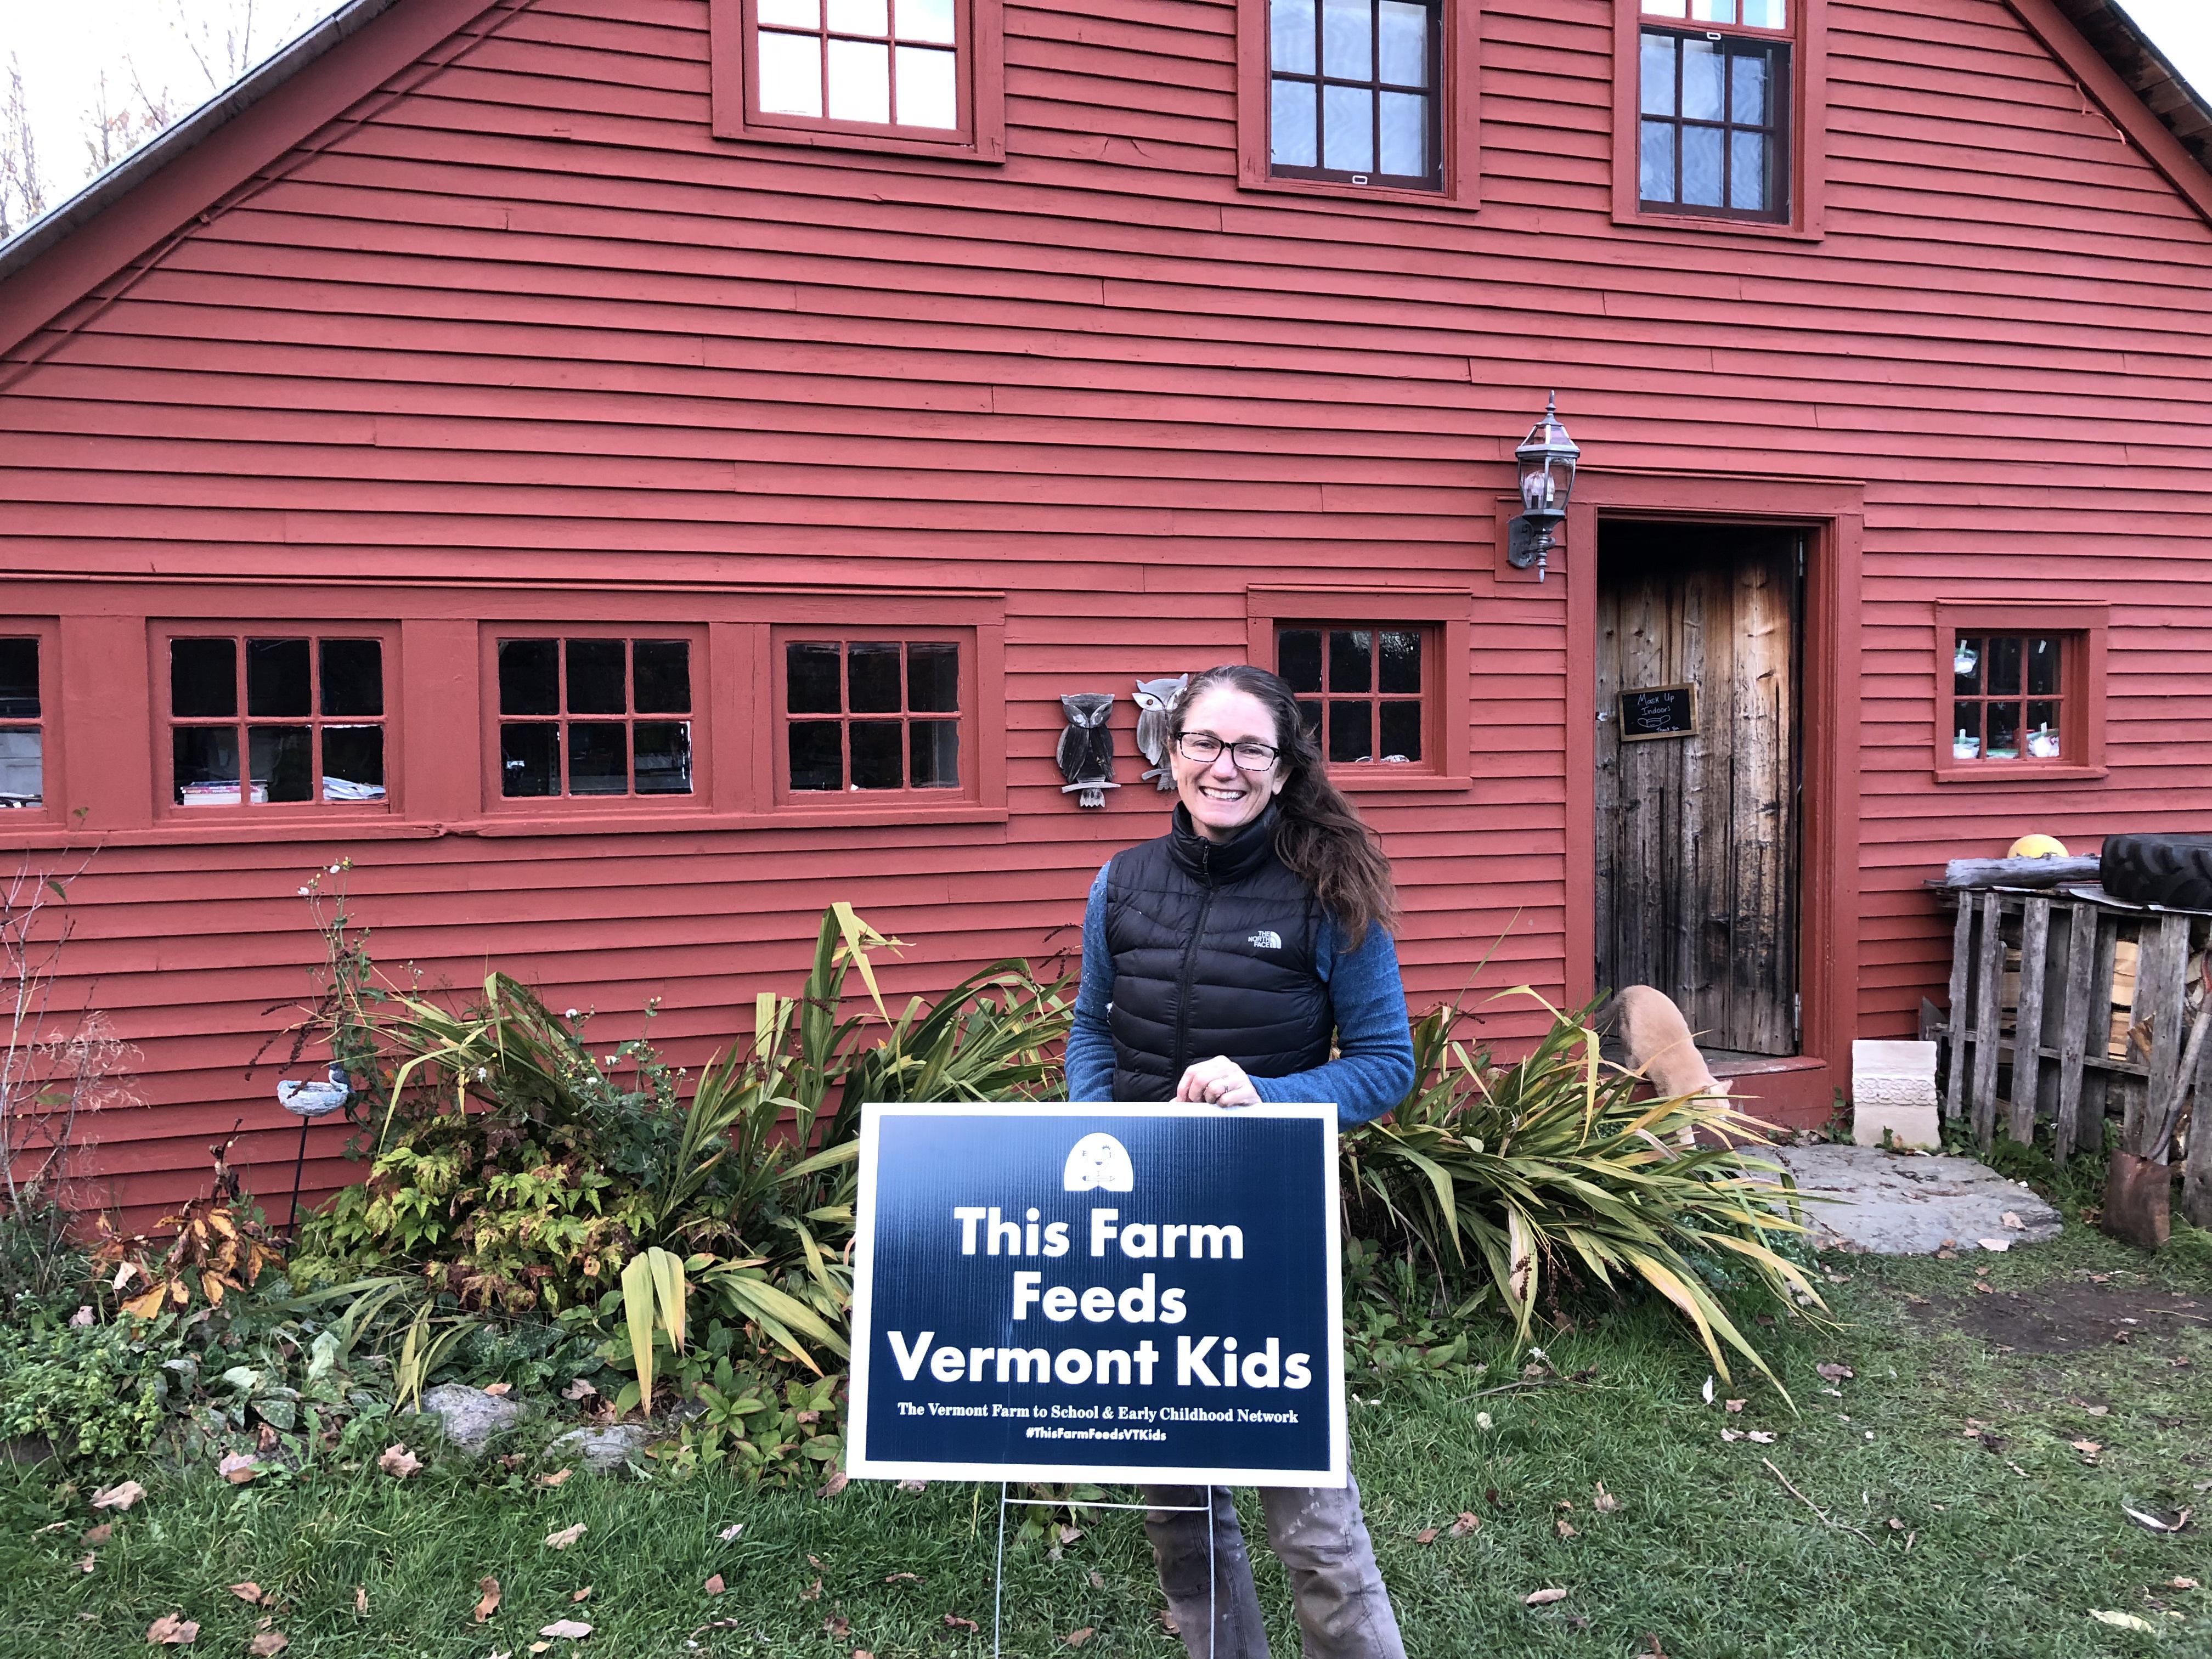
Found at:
(1099, 1163)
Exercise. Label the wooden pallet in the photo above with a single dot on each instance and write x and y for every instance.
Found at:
(2070, 1037)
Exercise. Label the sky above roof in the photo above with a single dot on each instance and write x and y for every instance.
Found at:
(184, 51)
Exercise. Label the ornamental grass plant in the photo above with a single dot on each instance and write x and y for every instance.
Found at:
(1529, 1176)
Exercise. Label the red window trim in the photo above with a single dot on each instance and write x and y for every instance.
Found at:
(982, 137)
(1443, 673)
(1458, 121)
(872, 802)
(2088, 622)
(1808, 135)
(566, 805)
(306, 815)
(50, 809)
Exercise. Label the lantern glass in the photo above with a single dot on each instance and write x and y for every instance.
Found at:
(1547, 458)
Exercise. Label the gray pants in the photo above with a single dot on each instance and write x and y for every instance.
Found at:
(1323, 1542)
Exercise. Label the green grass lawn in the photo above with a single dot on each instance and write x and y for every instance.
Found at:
(1995, 1537)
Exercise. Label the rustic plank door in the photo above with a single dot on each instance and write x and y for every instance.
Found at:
(1698, 833)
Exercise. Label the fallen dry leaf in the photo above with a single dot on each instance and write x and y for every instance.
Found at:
(1761, 1437)
(1468, 1521)
(903, 1578)
(1543, 1598)
(566, 1536)
(2087, 1447)
(487, 1603)
(715, 1586)
(1097, 1580)
(2124, 1620)
(95, 1536)
(1069, 1535)
(1605, 1502)
(496, 1390)
(1736, 1405)
(1731, 1434)
(248, 1591)
(1835, 1373)
(539, 1647)
(359, 1599)
(120, 1496)
(398, 1462)
(1426, 1535)
(837, 1625)
(954, 1621)
(729, 1534)
(1995, 1243)
(575, 1630)
(1709, 1391)
(914, 1486)
(578, 1389)
(583, 1595)
(86, 1562)
(837, 1482)
(2013, 1221)
(238, 1467)
(267, 1642)
(1565, 1530)
(813, 1591)
(2150, 1520)
(556, 1478)
(171, 1632)
(1076, 1638)
(2183, 1584)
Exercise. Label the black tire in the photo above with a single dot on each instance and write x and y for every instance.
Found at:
(2175, 871)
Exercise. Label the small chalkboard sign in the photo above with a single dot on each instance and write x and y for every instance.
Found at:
(1658, 711)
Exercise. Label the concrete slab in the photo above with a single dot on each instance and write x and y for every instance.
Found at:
(1891, 1204)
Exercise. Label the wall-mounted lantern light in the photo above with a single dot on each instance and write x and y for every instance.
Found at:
(1547, 458)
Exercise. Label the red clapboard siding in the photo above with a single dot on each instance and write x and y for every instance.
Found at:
(529, 326)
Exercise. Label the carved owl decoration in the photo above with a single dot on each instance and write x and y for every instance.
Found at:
(1086, 748)
(1154, 699)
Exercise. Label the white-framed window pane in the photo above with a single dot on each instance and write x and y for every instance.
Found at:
(1290, 44)
(790, 74)
(790, 13)
(859, 82)
(928, 21)
(1292, 125)
(1347, 126)
(928, 88)
(1404, 28)
(871, 17)
(22, 768)
(1405, 134)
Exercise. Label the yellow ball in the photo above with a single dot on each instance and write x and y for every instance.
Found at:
(2038, 847)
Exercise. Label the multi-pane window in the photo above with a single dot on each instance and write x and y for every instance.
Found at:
(872, 62)
(871, 714)
(1353, 90)
(22, 725)
(2008, 699)
(595, 715)
(262, 720)
(1714, 123)
(1361, 690)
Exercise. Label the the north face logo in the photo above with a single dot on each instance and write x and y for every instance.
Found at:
(1266, 939)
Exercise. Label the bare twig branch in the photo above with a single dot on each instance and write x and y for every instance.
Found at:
(1826, 1518)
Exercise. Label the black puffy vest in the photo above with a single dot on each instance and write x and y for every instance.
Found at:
(1213, 946)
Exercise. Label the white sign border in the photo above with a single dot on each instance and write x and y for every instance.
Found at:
(861, 1467)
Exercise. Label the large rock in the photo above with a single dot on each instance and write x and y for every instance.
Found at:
(601, 1448)
(1884, 1204)
(469, 1417)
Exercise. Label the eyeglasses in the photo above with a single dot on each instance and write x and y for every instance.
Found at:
(1250, 755)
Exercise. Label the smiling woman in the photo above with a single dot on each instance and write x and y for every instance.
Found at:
(1244, 957)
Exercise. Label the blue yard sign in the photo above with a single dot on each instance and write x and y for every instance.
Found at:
(1098, 1292)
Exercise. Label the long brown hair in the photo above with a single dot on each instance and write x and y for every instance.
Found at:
(1318, 833)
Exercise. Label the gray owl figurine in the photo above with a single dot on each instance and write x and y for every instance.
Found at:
(1154, 698)
(1086, 748)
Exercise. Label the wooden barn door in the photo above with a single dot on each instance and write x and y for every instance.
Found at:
(1697, 742)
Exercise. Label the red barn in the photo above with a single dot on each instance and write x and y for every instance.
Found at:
(628, 474)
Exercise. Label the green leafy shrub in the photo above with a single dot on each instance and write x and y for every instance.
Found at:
(1506, 1176)
(92, 1391)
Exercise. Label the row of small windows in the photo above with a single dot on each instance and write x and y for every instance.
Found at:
(1356, 90)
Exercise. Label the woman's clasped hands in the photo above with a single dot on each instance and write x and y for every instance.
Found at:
(1217, 1082)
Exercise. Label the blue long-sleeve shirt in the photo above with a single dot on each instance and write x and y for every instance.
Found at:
(1374, 1067)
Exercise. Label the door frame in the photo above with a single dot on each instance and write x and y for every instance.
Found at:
(1797, 1091)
